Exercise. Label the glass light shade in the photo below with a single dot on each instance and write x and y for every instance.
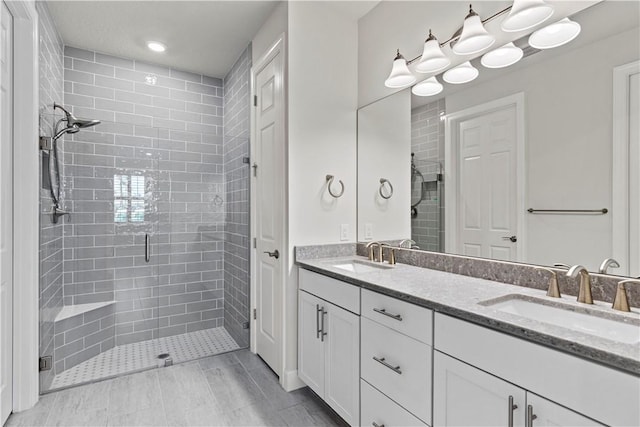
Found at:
(526, 14)
(554, 35)
(474, 37)
(463, 73)
(428, 87)
(433, 59)
(400, 75)
(502, 57)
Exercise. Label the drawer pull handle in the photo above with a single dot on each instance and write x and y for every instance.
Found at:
(375, 424)
(512, 407)
(384, 312)
(382, 361)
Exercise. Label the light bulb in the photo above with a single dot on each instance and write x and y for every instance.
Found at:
(526, 14)
(554, 35)
(400, 75)
(428, 87)
(433, 59)
(474, 37)
(502, 57)
(463, 73)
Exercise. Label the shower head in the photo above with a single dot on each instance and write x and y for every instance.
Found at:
(75, 122)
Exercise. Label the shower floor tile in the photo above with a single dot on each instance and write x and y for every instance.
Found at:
(144, 355)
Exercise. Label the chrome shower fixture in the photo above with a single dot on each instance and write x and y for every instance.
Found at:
(73, 125)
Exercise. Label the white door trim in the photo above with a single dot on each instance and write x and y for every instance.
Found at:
(451, 147)
(278, 47)
(26, 205)
(620, 168)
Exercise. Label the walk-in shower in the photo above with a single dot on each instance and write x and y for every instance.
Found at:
(144, 262)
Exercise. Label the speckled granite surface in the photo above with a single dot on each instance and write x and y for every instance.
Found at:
(603, 287)
(324, 251)
(460, 295)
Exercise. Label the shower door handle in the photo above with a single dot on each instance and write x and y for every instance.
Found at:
(147, 248)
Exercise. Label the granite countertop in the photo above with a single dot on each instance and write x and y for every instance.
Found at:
(463, 297)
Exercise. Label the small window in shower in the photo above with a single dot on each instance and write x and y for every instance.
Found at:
(128, 198)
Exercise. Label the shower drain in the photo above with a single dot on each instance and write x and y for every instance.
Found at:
(168, 361)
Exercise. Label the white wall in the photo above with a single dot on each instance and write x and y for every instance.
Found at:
(569, 126)
(322, 102)
(384, 151)
(275, 25)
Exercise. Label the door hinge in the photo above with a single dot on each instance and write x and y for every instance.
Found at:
(255, 243)
(255, 169)
(255, 314)
(45, 363)
(255, 100)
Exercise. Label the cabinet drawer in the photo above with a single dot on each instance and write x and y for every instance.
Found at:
(409, 319)
(379, 409)
(398, 366)
(339, 293)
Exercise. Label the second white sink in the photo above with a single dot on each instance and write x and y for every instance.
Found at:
(566, 318)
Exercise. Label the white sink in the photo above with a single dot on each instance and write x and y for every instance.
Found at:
(566, 318)
(356, 266)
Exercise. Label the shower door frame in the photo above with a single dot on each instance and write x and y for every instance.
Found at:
(26, 205)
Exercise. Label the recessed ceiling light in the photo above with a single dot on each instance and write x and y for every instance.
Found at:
(156, 46)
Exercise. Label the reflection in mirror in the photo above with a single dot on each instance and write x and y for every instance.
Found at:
(557, 131)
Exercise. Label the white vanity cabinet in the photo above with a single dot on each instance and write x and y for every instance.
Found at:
(476, 369)
(329, 342)
(465, 396)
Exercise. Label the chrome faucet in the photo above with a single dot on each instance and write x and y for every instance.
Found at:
(584, 294)
(371, 247)
(621, 302)
(606, 264)
(554, 289)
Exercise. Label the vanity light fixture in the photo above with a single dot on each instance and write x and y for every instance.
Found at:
(400, 75)
(474, 37)
(526, 14)
(502, 57)
(428, 87)
(156, 46)
(554, 35)
(433, 59)
(463, 73)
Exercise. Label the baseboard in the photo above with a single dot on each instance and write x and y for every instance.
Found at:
(291, 381)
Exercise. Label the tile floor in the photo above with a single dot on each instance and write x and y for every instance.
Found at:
(231, 389)
(144, 355)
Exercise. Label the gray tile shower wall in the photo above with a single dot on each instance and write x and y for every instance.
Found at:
(51, 235)
(154, 166)
(236, 245)
(427, 143)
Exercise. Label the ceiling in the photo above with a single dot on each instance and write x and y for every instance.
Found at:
(204, 37)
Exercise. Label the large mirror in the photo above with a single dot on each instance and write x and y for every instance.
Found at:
(538, 162)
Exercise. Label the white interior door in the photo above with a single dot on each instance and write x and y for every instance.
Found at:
(6, 212)
(487, 197)
(269, 199)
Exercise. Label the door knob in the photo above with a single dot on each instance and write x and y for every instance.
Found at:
(512, 238)
(275, 254)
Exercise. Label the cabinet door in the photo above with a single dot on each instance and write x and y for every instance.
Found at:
(466, 396)
(546, 413)
(310, 347)
(342, 363)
